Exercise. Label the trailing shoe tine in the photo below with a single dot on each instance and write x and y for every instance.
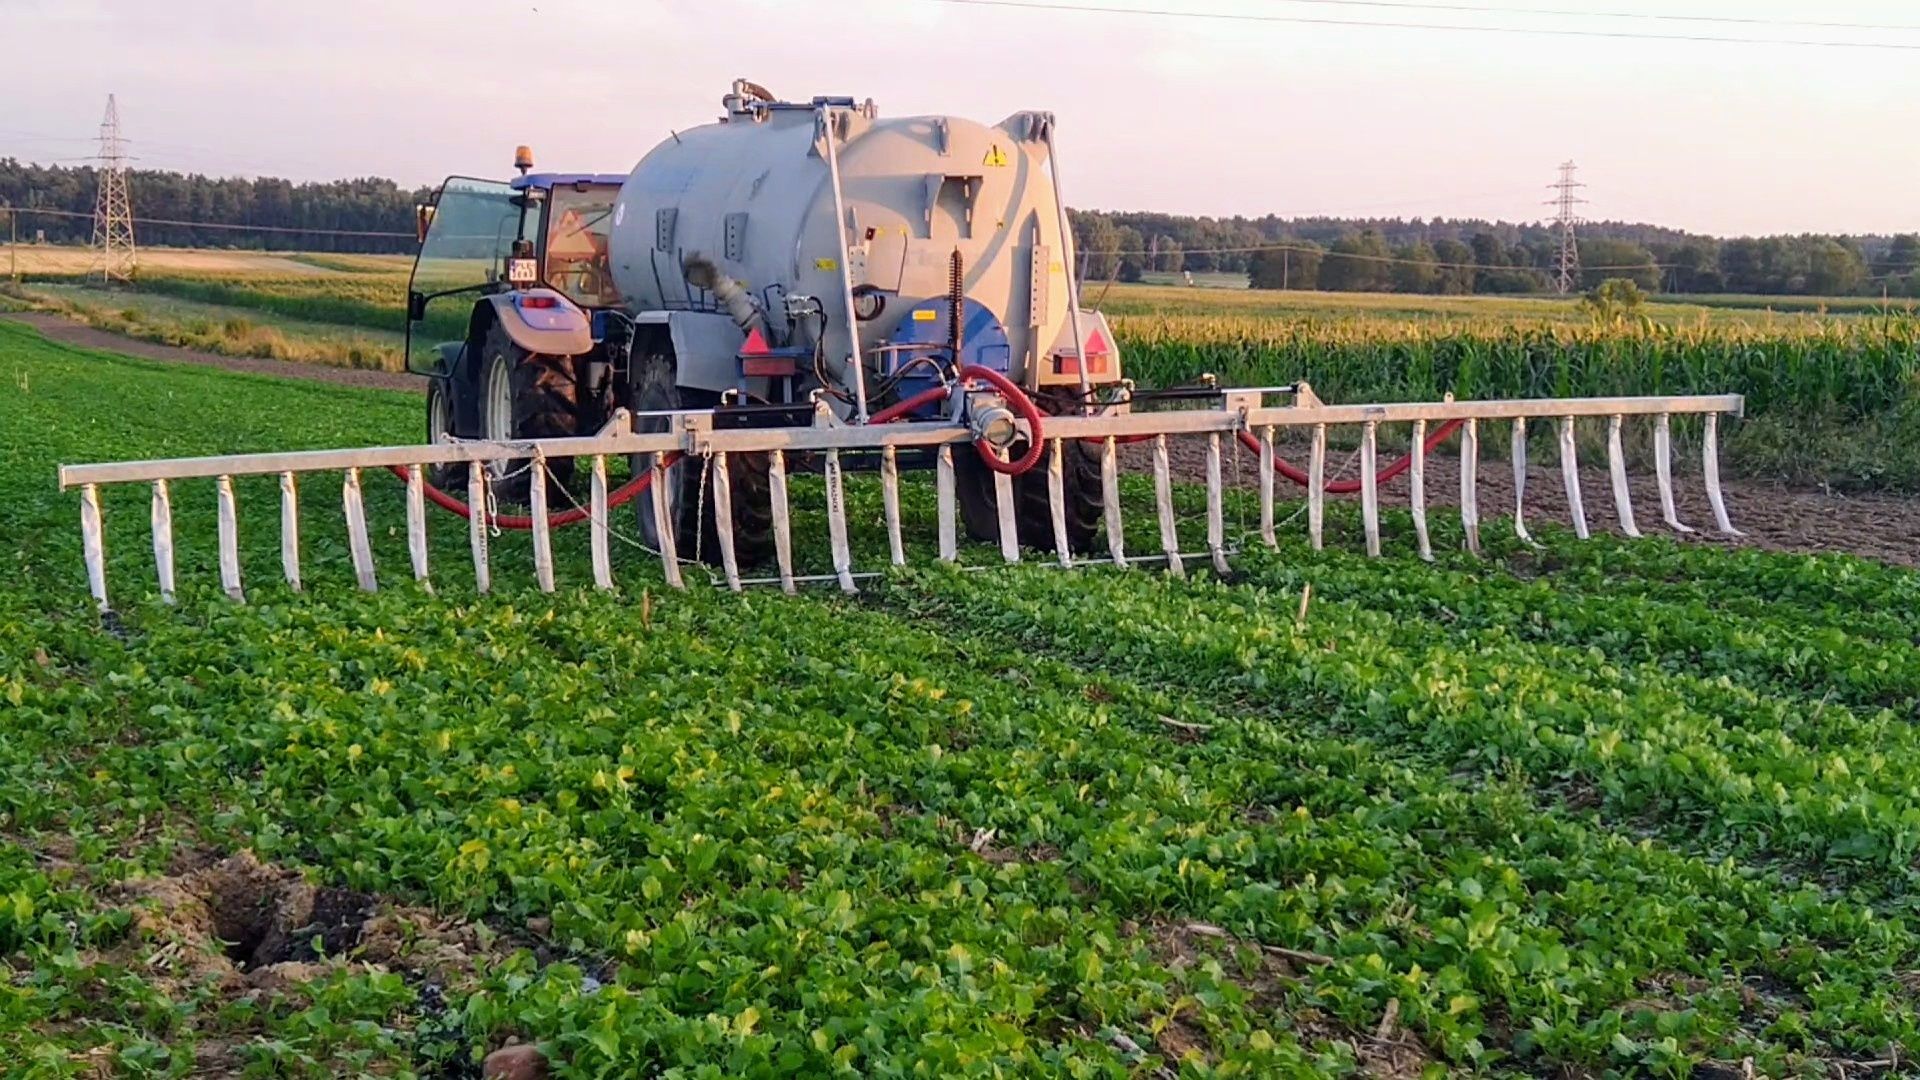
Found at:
(1570, 475)
(1370, 486)
(598, 536)
(782, 521)
(1317, 487)
(662, 502)
(837, 524)
(1163, 506)
(1520, 481)
(1110, 501)
(723, 519)
(1266, 488)
(417, 524)
(1216, 512)
(93, 545)
(1470, 484)
(290, 529)
(1617, 469)
(1418, 482)
(357, 543)
(1663, 471)
(163, 539)
(1003, 506)
(1710, 469)
(542, 536)
(477, 526)
(944, 497)
(229, 540)
(890, 499)
(1057, 501)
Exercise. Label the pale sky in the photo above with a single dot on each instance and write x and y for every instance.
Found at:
(1180, 114)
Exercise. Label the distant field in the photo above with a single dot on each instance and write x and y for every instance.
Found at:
(51, 259)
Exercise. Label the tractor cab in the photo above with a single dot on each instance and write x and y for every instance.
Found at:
(479, 238)
(511, 283)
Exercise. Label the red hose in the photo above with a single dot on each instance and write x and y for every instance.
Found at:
(1348, 487)
(1022, 404)
(620, 496)
(901, 408)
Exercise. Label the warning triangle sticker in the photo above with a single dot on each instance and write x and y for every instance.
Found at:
(996, 157)
(1096, 344)
(755, 344)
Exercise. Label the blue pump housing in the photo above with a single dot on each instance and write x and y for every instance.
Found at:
(922, 335)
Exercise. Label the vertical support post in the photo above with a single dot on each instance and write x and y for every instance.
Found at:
(849, 320)
(290, 529)
(837, 524)
(1370, 485)
(1617, 469)
(943, 496)
(1418, 498)
(1110, 501)
(477, 524)
(417, 524)
(94, 545)
(597, 513)
(1470, 484)
(1163, 507)
(1520, 480)
(229, 540)
(542, 536)
(890, 500)
(1067, 255)
(723, 519)
(1003, 507)
(659, 488)
(1216, 510)
(1710, 469)
(1663, 471)
(1266, 488)
(163, 539)
(1570, 475)
(1057, 501)
(1317, 487)
(357, 543)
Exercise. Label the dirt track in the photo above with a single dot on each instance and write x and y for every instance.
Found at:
(72, 333)
(1777, 518)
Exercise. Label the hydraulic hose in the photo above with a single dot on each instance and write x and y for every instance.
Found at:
(620, 496)
(1348, 487)
(1022, 404)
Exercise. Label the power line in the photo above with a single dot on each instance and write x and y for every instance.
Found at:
(1312, 20)
(1310, 249)
(229, 225)
(1732, 20)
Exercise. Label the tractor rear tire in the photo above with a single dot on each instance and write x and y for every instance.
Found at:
(539, 400)
(1032, 510)
(652, 388)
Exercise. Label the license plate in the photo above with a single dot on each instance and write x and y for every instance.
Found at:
(521, 271)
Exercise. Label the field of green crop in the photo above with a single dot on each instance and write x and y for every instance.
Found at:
(1609, 808)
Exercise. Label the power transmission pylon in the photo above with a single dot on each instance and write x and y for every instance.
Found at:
(113, 251)
(1569, 261)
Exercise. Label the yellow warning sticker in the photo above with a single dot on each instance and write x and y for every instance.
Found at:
(925, 315)
(826, 264)
(996, 157)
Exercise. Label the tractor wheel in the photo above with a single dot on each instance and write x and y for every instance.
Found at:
(1032, 510)
(440, 426)
(653, 388)
(525, 396)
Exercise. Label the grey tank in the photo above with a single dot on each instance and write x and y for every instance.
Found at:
(753, 193)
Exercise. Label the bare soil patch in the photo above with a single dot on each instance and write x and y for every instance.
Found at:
(1773, 517)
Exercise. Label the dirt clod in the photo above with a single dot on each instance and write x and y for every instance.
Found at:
(515, 1063)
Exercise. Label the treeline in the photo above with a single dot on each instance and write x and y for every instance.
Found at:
(1452, 256)
(316, 213)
